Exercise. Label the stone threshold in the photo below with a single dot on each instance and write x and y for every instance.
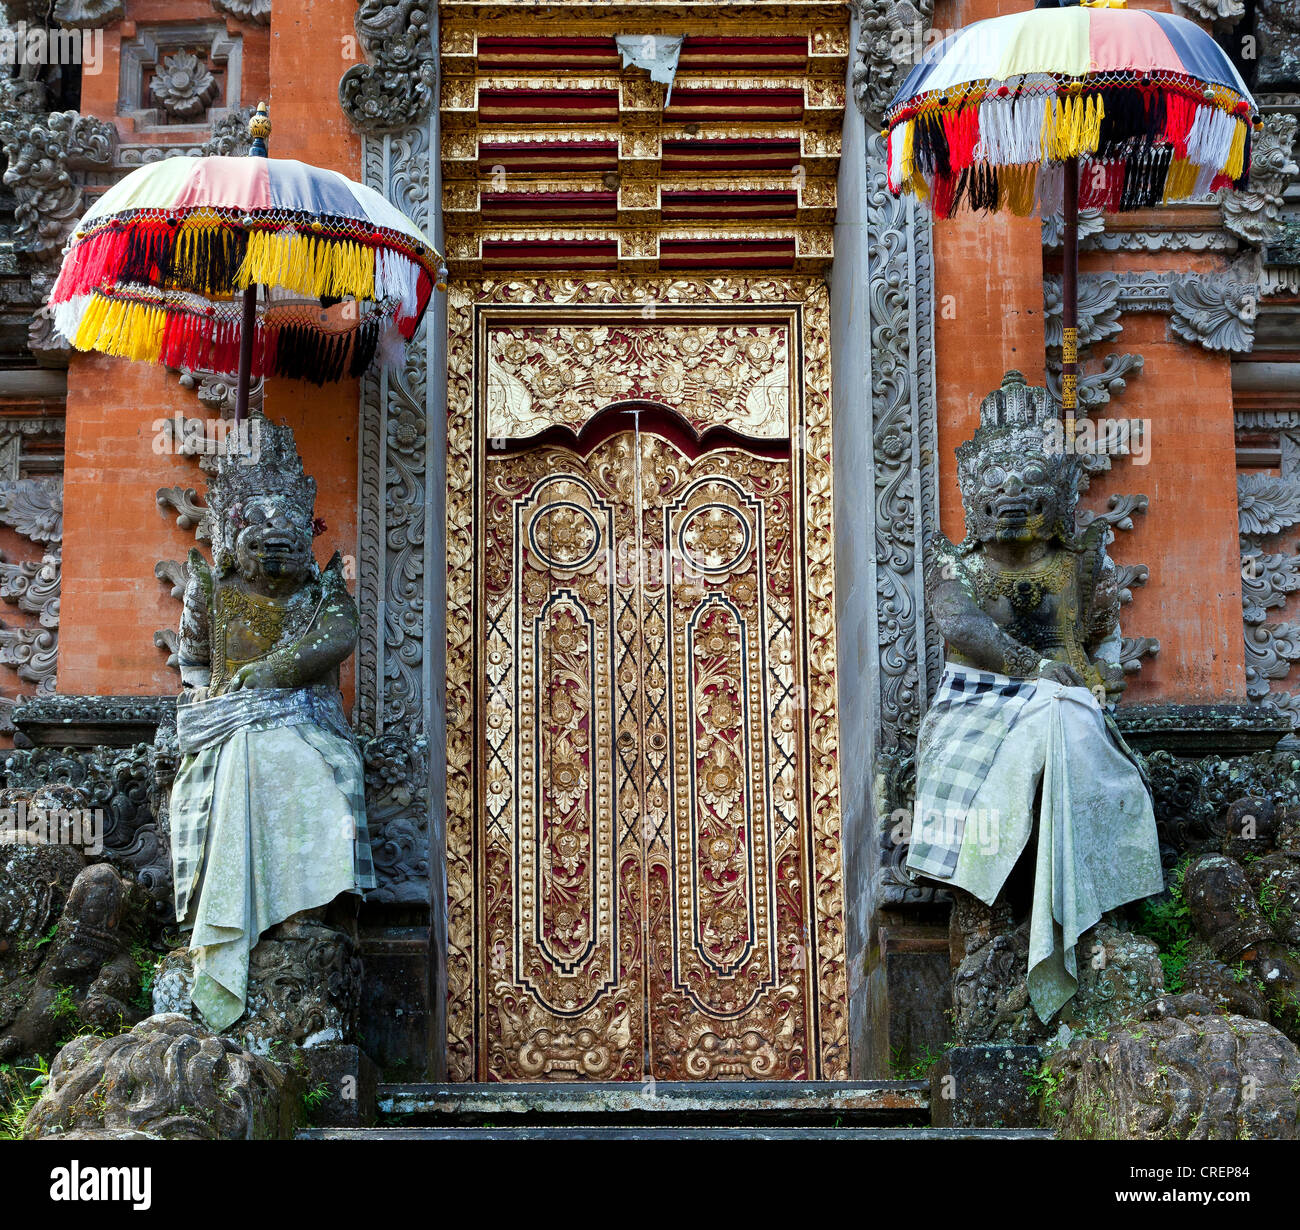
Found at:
(883, 1102)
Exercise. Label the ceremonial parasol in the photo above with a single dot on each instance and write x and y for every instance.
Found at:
(1062, 106)
(167, 264)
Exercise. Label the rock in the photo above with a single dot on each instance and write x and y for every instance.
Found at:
(1288, 830)
(342, 1085)
(1223, 907)
(304, 987)
(89, 977)
(989, 995)
(1277, 967)
(984, 1087)
(1179, 1071)
(166, 1079)
(1118, 972)
(1250, 825)
(1276, 881)
(1226, 990)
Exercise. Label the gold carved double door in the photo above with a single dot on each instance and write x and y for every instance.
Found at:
(651, 886)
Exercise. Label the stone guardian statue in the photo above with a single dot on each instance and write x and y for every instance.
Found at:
(267, 810)
(1020, 766)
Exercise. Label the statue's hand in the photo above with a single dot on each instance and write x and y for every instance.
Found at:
(254, 675)
(1060, 672)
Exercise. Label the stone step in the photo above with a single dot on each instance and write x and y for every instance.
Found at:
(687, 1103)
(568, 1131)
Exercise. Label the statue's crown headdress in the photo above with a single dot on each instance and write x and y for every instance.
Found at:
(259, 462)
(1020, 420)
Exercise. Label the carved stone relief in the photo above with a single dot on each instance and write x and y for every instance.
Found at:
(44, 155)
(180, 74)
(1268, 508)
(900, 303)
(256, 11)
(1255, 214)
(395, 90)
(1214, 310)
(33, 507)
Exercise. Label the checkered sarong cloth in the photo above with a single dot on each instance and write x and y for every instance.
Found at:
(203, 729)
(973, 711)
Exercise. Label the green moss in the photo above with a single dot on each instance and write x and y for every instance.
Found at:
(1167, 920)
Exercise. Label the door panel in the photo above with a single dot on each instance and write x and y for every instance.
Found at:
(562, 866)
(644, 872)
(728, 977)
(643, 815)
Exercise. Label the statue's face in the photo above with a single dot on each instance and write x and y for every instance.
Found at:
(273, 543)
(1013, 498)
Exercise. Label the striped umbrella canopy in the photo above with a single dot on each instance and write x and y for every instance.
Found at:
(166, 266)
(1148, 102)
(1062, 107)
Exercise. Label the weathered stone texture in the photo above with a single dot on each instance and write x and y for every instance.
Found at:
(167, 1079)
(1178, 1072)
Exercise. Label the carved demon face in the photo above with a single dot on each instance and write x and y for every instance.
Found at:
(1016, 497)
(274, 541)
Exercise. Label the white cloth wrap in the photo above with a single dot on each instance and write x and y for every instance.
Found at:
(267, 820)
(1097, 844)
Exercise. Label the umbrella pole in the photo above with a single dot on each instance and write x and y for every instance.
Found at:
(1070, 302)
(259, 128)
(247, 329)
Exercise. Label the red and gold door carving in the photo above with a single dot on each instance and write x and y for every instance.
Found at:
(653, 895)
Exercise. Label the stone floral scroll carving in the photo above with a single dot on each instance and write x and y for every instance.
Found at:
(1255, 213)
(1268, 505)
(87, 14)
(258, 12)
(1217, 311)
(229, 134)
(396, 89)
(1221, 12)
(190, 510)
(891, 39)
(1214, 310)
(183, 86)
(34, 508)
(43, 154)
(1091, 222)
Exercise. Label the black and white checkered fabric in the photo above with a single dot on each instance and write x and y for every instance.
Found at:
(972, 714)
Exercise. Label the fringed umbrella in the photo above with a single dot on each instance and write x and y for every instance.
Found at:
(167, 264)
(1065, 106)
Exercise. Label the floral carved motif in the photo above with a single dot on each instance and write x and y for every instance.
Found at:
(732, 375)
(627, 680)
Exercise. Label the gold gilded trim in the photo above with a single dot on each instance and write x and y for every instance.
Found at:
(541, 302)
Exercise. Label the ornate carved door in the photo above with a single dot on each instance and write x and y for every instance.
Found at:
(656, 895)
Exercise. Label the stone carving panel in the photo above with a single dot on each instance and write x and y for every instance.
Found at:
(395, 91)
(730, 375)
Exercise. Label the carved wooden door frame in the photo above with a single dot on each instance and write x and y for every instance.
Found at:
(799, 306)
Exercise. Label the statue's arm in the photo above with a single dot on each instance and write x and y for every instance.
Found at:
(330, 639)
(195, 650)
(1101, 628)
(966, 627)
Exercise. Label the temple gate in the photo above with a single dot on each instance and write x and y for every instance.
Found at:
(647, 874)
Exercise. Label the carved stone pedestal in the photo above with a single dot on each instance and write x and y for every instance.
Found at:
(984, 1087)
(342, 1086)
(304, 987)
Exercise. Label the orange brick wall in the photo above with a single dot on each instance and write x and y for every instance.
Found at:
(114, 531)
(988, 309)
